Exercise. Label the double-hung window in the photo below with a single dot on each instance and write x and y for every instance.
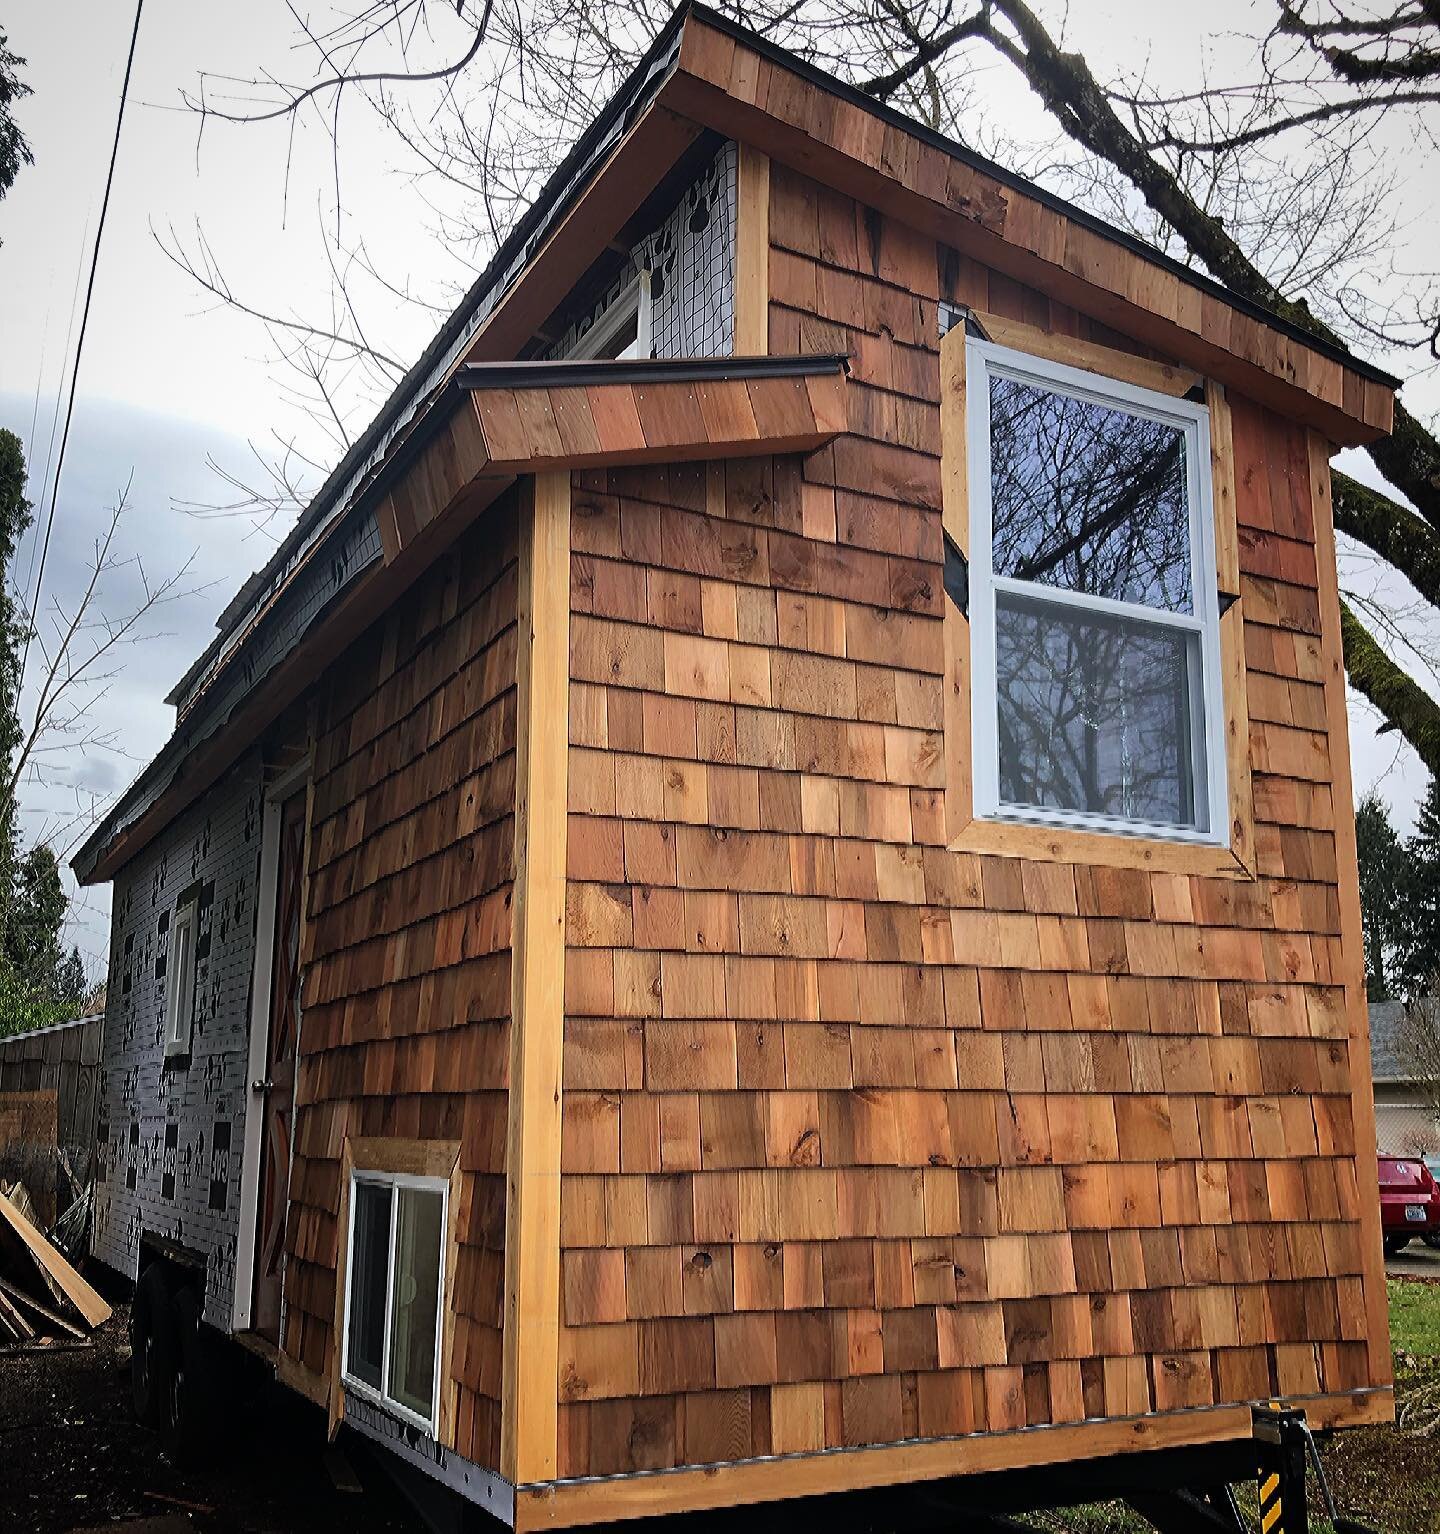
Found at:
(180, 977)
(1095, 658)
(395, 1276)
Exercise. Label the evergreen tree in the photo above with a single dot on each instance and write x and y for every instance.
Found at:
(1418, 902)
(14, 150)
(40, 982)
(1382, 873)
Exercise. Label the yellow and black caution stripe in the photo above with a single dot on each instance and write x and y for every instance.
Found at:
(1270, 1508)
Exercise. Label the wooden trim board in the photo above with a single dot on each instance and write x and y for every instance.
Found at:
(964, 832)
(1352, 945)
(529, 1395)
(752, 254)
(1106, 361)
(566, 1504)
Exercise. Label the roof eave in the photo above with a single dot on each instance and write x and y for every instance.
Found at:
(1343, 396)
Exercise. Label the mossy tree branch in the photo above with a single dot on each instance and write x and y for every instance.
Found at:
(1403, 702)
(1390, 530)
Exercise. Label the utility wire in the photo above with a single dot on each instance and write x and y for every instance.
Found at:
(28, 594)
(80, 341)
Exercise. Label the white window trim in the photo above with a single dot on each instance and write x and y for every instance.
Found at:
(440, 1185)
(180, 977)
(275, 796)
(1207, 694)
(633, 301)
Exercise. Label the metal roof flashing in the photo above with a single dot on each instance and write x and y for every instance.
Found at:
(454, 335)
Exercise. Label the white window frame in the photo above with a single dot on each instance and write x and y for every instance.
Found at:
(180, 976)
(983, 358)
(632, 302)
(396, 1180)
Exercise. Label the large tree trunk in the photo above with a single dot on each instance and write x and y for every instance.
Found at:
(1409, 458)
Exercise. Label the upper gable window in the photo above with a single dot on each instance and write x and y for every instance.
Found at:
(623, 330)
(1094, 606)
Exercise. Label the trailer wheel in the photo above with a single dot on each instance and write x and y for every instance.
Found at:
(192, 1384)
(149, 1349)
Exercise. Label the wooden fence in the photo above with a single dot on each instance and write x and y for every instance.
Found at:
(49, 1098)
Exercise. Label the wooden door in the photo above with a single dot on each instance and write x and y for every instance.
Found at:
(278, 1087)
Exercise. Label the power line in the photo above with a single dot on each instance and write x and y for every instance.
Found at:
(80, 342)
(29, 590)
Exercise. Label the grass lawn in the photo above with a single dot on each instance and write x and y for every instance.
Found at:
(1414, 1317)
(1386, 1477)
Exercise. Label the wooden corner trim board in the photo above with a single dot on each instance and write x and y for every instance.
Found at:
(565, 1504)
(529, 1392)
(752, 254)
(1352, 946)
(408, 1158)
(964, 832)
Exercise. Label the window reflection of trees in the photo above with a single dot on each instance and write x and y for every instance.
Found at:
(1093, 714)
(1093, 711)
(1087, 497)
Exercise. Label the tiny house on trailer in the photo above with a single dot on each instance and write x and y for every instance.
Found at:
(760, 900)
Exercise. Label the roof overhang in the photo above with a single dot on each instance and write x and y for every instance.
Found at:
(705, 73)
(492, 425)
(599, 186)
(739, 84)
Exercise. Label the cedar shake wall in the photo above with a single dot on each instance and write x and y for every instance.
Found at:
(407, 945)
(866, 1140)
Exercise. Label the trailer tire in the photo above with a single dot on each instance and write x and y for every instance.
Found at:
(149, 1349)
(192, 1385)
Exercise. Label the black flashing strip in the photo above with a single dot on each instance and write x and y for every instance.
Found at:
(834, 87)
(957, 576)
(550, 375)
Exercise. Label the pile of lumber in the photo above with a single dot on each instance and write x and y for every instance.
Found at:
(44, 1302)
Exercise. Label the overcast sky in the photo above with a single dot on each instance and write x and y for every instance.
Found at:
(169, 377)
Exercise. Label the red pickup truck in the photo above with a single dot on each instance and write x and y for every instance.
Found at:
(1409, 1201)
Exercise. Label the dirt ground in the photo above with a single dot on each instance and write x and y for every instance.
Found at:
(74, 1461)
(72, 1457)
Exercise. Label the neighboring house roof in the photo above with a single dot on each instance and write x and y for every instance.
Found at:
(697, 78)
(1387, 1065)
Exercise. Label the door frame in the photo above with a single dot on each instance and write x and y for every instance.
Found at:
(290, 781)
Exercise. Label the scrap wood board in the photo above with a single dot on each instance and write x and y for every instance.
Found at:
(26, 1302)
(85, 1299)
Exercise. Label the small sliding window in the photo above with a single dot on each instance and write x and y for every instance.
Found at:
(180, 977)
(1093, 603)
(395, 1276)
